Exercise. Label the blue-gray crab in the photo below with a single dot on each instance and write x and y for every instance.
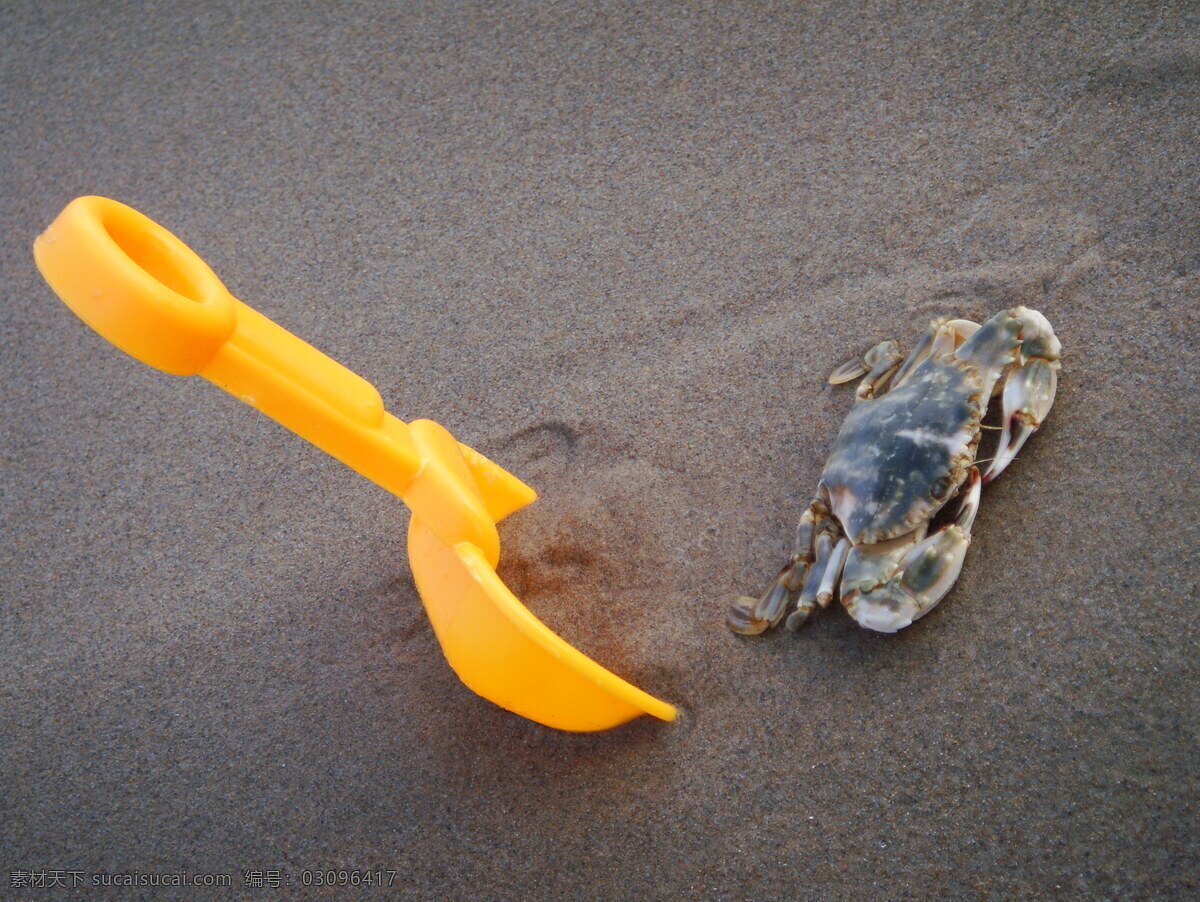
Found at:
(899, 458)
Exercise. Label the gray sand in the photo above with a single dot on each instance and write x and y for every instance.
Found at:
(617, 249)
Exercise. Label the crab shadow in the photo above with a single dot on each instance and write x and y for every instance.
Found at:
(834, 640)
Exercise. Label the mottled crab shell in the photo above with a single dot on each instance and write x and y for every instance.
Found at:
(900, 456)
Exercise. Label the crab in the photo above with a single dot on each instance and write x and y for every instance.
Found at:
(902, 455)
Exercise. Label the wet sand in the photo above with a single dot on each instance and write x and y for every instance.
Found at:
(616, 248)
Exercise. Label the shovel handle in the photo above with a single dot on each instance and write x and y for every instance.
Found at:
(152, 296)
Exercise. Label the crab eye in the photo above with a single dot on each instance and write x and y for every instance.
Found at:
(941, 486)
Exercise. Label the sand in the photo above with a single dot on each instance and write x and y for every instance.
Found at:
(617, 248)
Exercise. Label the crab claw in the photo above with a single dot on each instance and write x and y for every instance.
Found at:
(923, 576)
(1028, 394)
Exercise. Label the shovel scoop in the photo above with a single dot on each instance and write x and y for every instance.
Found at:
(149, 294)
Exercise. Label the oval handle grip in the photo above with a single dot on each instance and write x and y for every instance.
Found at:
(154, 298)
(136, 284)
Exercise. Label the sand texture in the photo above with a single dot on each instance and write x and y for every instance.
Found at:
(617, 248)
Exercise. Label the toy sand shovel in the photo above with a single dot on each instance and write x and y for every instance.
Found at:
(149, 294)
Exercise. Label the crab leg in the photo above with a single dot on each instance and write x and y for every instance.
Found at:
(877, 363)
(815, 534)
(919, 353)
(833, 573)
(943, 335)
(810, 596)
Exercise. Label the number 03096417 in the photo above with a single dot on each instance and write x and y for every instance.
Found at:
(344, 877)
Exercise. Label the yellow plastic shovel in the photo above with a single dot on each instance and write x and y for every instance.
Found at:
(149, 294)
